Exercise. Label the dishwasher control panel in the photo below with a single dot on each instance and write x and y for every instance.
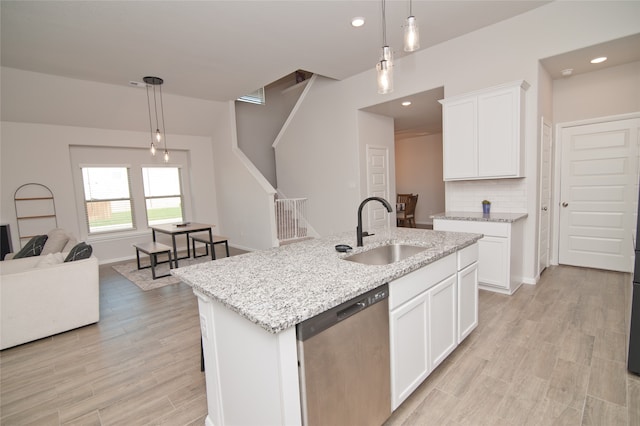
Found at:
(326, 319)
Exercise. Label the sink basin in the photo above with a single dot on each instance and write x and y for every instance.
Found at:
(385, 255)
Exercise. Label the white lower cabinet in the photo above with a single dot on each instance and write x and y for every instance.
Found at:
(443, 321)
(500, 251)
(409, 325)
(494, 258)
(467, 301)
(424, 315)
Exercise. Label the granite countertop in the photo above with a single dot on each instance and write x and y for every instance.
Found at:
(481, 217)
(281, 287)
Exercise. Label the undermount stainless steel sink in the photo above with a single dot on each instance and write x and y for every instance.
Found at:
(384, 255)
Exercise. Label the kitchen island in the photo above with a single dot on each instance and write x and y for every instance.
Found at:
(249, 306)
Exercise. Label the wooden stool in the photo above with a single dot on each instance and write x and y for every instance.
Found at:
(217, 239)
(153, 249)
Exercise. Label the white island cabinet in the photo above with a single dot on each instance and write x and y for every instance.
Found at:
(483, 133)
(427, 307)
(250, 305)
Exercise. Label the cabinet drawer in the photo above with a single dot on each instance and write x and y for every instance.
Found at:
(416, 282)
(467, 256)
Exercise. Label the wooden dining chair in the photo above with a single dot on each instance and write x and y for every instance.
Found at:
(407, 216)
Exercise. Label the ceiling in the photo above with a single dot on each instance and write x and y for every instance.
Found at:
(220, 50)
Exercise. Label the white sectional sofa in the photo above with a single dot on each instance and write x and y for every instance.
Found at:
(39, 299)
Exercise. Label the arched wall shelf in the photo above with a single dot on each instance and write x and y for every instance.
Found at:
(35, 211)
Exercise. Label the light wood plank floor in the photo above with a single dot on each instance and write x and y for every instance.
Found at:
(551, 354)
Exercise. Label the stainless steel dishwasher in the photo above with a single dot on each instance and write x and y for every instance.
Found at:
(343, 357)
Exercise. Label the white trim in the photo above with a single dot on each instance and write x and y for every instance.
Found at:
(86, 165)
(294, 110)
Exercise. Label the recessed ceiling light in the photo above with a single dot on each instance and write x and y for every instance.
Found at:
(567, 72)
(358, 21)
(406, 103)
(599, 60)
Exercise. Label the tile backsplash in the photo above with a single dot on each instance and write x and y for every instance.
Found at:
(506, 195)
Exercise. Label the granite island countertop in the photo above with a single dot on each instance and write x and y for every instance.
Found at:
(481, 217)
(283, 286)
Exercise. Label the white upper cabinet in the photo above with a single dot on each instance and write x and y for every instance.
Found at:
(484, 132)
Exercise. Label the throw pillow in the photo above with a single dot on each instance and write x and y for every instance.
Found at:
(57, 238)
(32, 248)
(50, 259)
(79, 251)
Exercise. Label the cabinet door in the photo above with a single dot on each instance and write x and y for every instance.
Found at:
(493, 261)
(499, 133)
(467, 301)
(409, 347)
(443, 314)
(460, 155)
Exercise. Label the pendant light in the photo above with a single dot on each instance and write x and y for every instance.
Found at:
(385, 66)
(411, 33)
(159, 136)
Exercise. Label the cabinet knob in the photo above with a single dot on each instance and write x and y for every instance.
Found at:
(544, 209)
(565, 204)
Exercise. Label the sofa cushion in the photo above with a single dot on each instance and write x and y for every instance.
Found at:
(57, 239)
(79, 251)
(50, 259)
(32, 248)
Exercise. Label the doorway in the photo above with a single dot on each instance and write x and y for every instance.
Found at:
(598, 191)
(417, 120)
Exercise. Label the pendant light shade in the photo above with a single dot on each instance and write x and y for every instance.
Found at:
(411, 35)
(159, 135)
(384, 68)
(385, 71)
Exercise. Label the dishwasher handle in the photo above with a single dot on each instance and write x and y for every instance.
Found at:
(351, 310)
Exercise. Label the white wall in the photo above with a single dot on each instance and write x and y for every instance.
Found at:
(33, 152)
(258, 125)
(42, 115)
(375, 131)
(419, 171)
(319, 139)
(318, 156)
(611, 91)
(246, 199)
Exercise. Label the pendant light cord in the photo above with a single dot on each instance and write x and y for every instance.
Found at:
(384, 24)
(155, 106)
(149, 108)
(164, 130)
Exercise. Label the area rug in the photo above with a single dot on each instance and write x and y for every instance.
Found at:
(142, 277)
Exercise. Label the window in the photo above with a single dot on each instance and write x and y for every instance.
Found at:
(107, 199)
(256, 97)
(123, 191)
(163, 195)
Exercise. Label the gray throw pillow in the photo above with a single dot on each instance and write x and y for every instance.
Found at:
(32, 248)
(79, 251)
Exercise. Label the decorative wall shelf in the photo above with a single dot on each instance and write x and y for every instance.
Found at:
(35, 211)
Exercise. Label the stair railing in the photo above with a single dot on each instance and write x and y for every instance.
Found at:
(291, 218)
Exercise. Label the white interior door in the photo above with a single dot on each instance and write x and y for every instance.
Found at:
(545, 196)
(599, 166)
(377, 184)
